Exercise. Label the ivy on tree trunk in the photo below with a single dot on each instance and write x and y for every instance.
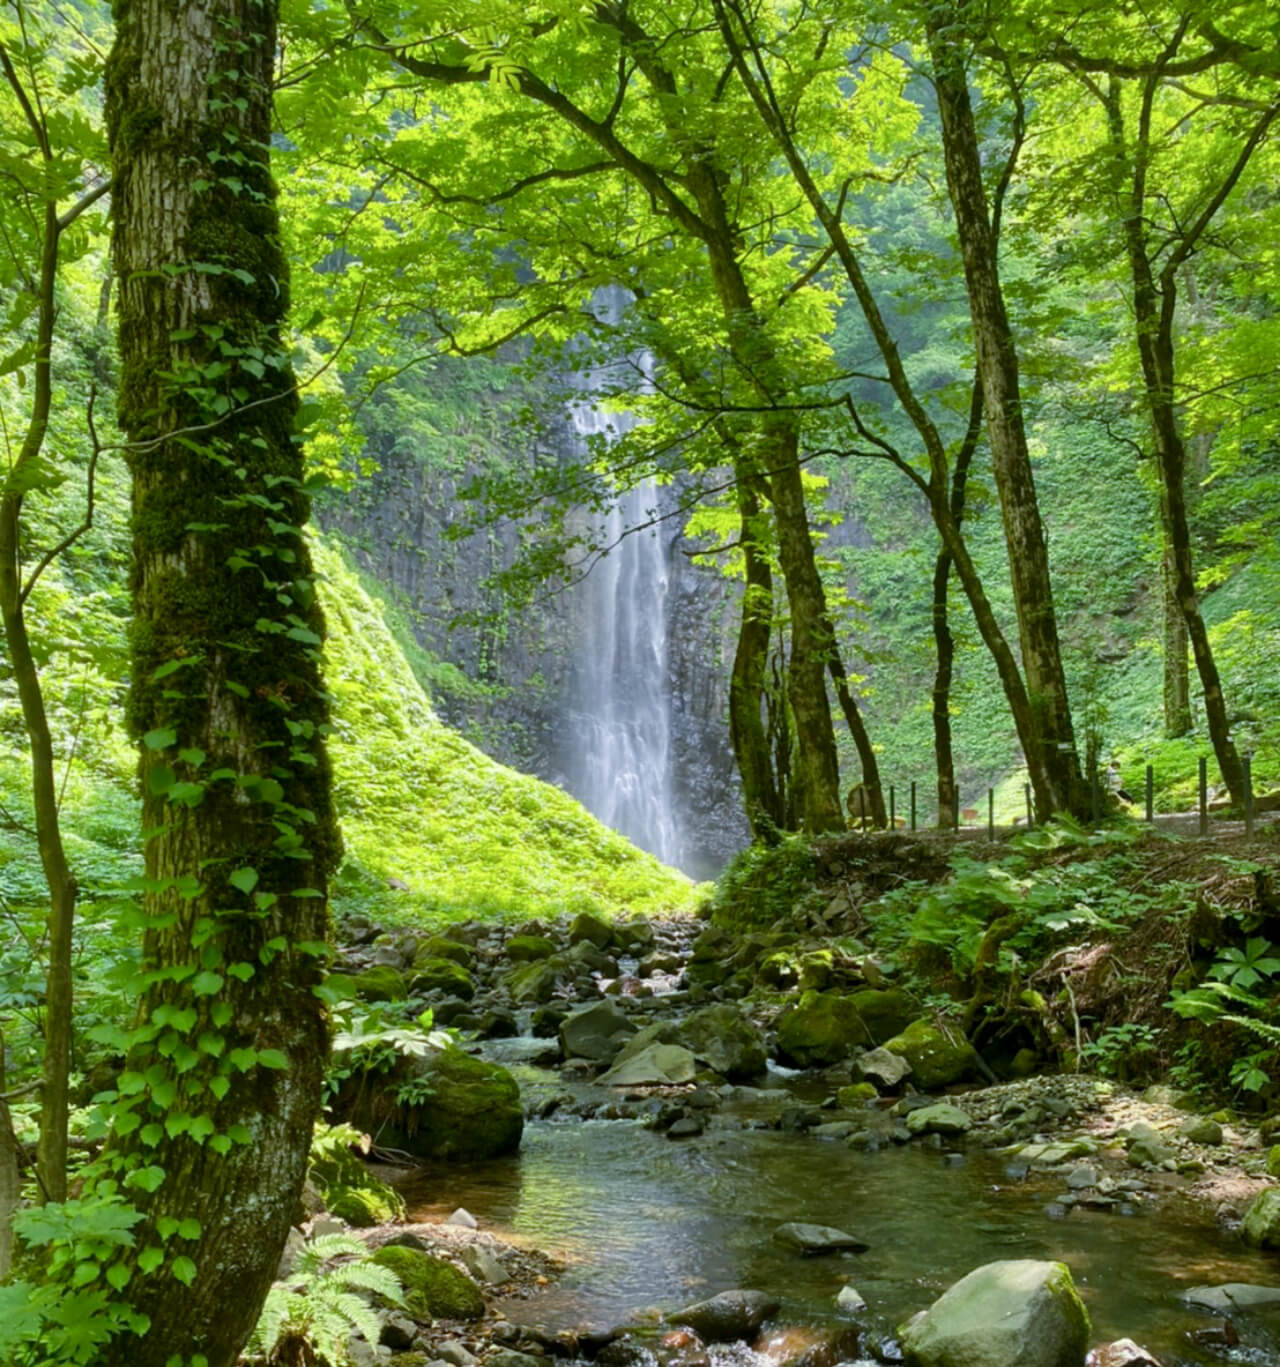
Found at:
(213, 1122)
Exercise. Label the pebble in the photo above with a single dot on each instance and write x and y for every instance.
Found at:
(464, 1218)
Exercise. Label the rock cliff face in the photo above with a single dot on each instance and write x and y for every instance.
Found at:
(516, 684)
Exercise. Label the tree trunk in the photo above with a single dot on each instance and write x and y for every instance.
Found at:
(945, 649)
(1011, 462)
(1154, 302)
(224, 1076)
(56, 1069)
(747, 681)
(1177, 679)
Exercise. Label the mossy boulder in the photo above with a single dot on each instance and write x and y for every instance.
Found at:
(524, 949)
(937, 1057)
(855, 1096)
(381, 983)
(778, 970)
(538, 981)
(821, 1028)
(723, 1038)
(587, 926)
(817, 970)
(445, 976)
(634, 936)
(1019, 1312)
(433, 1288)
(885, 1012)
(365, 1207)
(444, 1104)
(1261, 1228)
(440, 947)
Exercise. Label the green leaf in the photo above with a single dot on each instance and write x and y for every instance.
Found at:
(148, 1179)
(184, 1270)
(150, 1258)
(206, 984)
(160, 739)
(245, 879)
(189, 1228)
(272, 1058)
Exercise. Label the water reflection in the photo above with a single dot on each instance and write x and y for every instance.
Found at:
(645, 1221)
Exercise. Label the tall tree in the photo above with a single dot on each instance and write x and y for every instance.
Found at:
(211, 1131)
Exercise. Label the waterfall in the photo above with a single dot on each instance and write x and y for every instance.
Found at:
(618, 755)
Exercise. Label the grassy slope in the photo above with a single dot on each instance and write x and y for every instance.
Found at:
(417, 802)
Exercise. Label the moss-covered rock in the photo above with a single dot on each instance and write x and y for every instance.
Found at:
(725, 1040)
(537, 982)
(885, 1012)
(586, 926)
(1020, 1311)
(433, 1288)
(442, 975)
(817, 970)
(457, 1106)
(855, 1096)
(523, 949)
(441, 947)
(821, 1028)
(381, 983)
(365, 1207)
(1261, 1228)
(937, 1058)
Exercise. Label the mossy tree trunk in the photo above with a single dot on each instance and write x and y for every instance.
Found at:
(211, 1132)
(997, 355)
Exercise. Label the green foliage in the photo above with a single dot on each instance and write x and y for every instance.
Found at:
(762, 883)
(1121, 1050)
(322, 1305)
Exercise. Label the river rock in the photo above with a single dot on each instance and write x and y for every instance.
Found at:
(586, 926)
(1121, 1353)
(882, 1067)
(596, 1032)
(942, 1118)
(537, 981)
(441, 947)
(937, 1058)
(821, 1028)
(1232, 1296)
(442, 975)
(851, 1300)
(658, 1065)
(523, 949)
(1261, 1227)
(432, 1286)
(723, 1038)
(811, 1240)
(485, 1266)
(469, 1108)
(807, 1345)
(885, 1012)
(634, 937)
(1019, 1313)
(1201, 1130)
(728, 1316)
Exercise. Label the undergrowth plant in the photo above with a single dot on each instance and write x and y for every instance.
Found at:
(310, 1318)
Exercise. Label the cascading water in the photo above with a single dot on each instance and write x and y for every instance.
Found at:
(618, 759)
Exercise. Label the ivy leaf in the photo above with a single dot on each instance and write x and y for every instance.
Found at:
(245, 879)
(160, 739)
(184, 1270)
(272, 1058)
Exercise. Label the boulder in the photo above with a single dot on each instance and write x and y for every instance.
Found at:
(1021, 1312)
(1233, 1296)
(538, 981)
(440, 947)
(937, 1058)
(365, 1207)
(467, 1108)
(596, 1032)
(821, 1028)
(1201, 1130)
(586, 926)
(443, 975)
(940, 1119)
(885, 1012)
(1121, 1353)
(523, 949)
(1261, 1228)
(634, 937)
(730, 1315)
(814, 1239)
(657, 1065)
(381, 983)
(433, 1288)
(883, 1068)
(725, 1040)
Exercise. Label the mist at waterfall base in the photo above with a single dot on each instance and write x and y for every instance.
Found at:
(617, 757)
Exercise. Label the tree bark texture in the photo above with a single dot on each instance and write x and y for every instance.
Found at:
(1177, 675)
(224, 1076)
(1011, 462)
(747, 680)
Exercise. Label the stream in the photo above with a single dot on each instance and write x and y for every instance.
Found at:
(645, 1221)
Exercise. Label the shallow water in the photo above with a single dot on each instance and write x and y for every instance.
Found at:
(645, 1221)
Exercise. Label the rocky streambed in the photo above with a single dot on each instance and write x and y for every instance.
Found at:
(633, 1134)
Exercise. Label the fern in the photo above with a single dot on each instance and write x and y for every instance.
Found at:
(311, 1318)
